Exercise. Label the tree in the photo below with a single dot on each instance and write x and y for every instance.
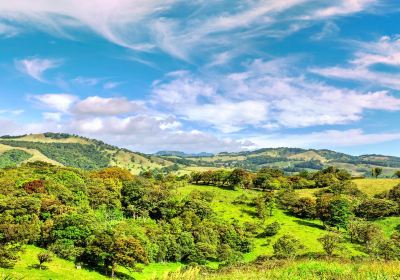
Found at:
(269, 179)
(44, 257)
(330, 242)
(376, 172)
(110, 249)
(397, 174)
(287, 246)
(376, 208)
(239, 178)
(333, 210)
(304, 207)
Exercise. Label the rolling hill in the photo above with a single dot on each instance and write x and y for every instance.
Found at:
(75, 151)
(81, 152)
(291, 160)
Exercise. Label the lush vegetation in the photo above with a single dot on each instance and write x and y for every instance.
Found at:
(123, 225)
(69, 154)
(13, 158)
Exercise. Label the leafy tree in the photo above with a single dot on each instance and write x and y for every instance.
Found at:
(269, 179)
(376, 172)
(304, 207)
(330, 242)
(397, 174)
(287, 246)
(44, 257)
(239, 178)
(376, 208)
(110, 249)
(334, 210)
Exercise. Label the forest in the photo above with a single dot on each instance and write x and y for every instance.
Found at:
(116, 224)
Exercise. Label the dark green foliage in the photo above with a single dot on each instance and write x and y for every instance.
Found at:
(69, 154)
(334, 211)
(376, 172)
(376, 208)
(44, 257)
(13, 158)
(270, 230)
(304, 207)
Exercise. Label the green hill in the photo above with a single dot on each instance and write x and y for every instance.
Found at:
(292, 160)
(74, 151)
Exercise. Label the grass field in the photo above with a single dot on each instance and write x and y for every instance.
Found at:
(375, 186)
(299, 270)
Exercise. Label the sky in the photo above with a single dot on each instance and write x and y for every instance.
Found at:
(204, 75)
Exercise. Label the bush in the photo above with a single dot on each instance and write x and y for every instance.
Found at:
(376, 208)
(304, 207)
(330, 242)
(270, 230)
(287, 246)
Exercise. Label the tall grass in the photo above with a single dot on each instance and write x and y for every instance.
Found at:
(296, 270)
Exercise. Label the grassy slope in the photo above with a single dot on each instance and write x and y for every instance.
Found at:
(36, 155)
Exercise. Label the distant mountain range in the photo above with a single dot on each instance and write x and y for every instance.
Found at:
(81, 152)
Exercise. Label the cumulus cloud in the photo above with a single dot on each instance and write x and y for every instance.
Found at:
(55, 101)
(95, 105)
(36, 67)
(266, 94)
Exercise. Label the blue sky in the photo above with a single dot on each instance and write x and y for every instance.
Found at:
(201, 75)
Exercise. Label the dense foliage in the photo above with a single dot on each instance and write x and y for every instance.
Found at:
(108, 217)
(13, 158)
(69, 154)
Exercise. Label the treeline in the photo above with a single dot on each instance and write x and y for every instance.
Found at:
(269, 178)
(105, 218)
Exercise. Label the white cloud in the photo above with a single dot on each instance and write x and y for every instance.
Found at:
(266, 94)
(87, 81)
(95, 105)
(148, 25)
(111, 85)
(11, 112)
(36, 67)
(55, 101)
(52, 117)
(385, 51)
(8, 31)
(329, 29)
(344, 7)
(228, 116)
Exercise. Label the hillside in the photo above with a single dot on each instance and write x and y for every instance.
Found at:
(76, 151)
(72, 150)
(291, 160)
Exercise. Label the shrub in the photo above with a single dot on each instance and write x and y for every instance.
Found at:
(287, 246)
(304, 208)
(270, 230)
(376, 208)
(330, 242)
